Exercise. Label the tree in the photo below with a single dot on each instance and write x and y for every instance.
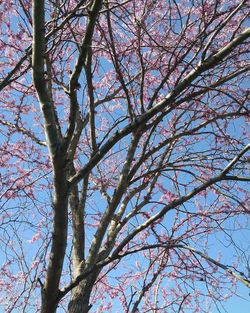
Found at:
(125, 154)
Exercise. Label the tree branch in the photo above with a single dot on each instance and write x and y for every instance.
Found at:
(73, 84)
(205, 65)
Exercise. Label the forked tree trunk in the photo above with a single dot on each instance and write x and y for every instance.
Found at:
(48, 305)
(80, 298)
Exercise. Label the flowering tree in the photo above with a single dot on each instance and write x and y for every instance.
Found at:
(124, 154)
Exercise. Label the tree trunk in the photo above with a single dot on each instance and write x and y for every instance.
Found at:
(79, 302)
(50, 290)
(48, 304)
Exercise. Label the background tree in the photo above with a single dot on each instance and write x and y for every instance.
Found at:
(124, 154)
